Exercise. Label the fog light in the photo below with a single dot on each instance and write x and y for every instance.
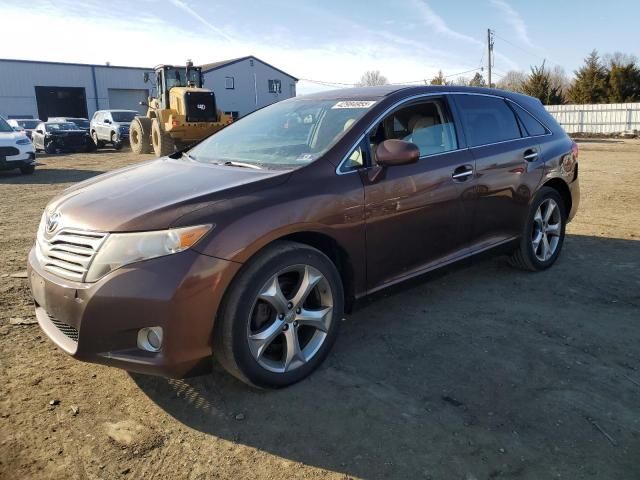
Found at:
(150, 339)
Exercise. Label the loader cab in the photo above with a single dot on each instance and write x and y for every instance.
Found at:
(169, 76)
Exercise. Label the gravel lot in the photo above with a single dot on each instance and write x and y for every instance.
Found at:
(477, 372)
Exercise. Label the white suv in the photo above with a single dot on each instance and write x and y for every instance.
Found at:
(16, 150)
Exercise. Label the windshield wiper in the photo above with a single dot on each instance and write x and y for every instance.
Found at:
(233, 163)
(190, 157)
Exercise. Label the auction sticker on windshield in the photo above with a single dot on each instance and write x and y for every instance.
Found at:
(354, 104)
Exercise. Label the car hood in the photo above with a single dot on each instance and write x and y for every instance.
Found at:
(153, 195)
(8, 139)
(62, 133)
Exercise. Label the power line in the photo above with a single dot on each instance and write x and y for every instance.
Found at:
(529, 52)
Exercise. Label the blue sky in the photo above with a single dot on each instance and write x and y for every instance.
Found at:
(327, 40)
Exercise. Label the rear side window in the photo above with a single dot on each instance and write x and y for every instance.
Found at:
(487, 120)
(531, 125)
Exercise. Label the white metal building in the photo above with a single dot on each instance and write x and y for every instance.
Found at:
(33, 89)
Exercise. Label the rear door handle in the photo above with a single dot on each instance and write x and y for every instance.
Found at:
(461, 173)
(530, 155)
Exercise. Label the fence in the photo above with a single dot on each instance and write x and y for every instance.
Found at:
(604, 118)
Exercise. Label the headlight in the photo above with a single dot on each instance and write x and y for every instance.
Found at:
(23, 141)
(124, 248)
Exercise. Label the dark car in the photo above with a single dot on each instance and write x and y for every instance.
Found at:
(81, 123)
(252, 245)
(26, 125)
(55, 137)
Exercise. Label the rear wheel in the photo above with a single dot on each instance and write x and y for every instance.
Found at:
(280, 316)
(140, 135)
(162, 143)
(543, 233)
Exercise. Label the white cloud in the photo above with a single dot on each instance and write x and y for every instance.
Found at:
(436, 22)
(514, 19)
(147, 39)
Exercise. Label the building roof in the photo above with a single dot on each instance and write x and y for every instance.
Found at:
(207, 67)
(95, 65)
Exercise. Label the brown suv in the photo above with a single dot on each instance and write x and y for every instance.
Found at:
(250, 246)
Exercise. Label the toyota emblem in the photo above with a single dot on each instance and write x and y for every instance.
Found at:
(53, 222)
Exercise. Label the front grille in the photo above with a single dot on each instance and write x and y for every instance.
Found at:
(68, 330)
(69, 252)
(72, 140)
(9, 151)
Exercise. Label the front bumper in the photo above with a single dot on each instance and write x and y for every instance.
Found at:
(99, 322)
(23, 159)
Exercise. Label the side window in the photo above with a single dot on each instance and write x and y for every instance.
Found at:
(229, 83)
(487, 120)
(531, 125)
(427, 124)
(275, 86)
(355, 160)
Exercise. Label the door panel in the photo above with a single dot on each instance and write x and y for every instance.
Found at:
(504, 184)
(414, 215)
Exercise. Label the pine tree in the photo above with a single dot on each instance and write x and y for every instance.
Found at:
(623, 82)
(590, 85)
(539, 84)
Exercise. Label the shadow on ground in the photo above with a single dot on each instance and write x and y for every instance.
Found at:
(484, 371)
(47, 176)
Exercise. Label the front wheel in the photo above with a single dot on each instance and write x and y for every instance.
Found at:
(162, 142)
(280, 316)
(28, 169)
(543, 233)
(140, 135)
(50, 147)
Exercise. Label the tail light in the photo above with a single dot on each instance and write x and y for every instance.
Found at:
(575, 150)
(174, 123)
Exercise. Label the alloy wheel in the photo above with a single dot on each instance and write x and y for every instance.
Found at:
(290, 318)
(547, 228)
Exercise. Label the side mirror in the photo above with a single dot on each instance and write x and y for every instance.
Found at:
(392, 153)
(39, 131)
(106, 120)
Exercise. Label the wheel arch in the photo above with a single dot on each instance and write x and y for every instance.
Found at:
(563, 189)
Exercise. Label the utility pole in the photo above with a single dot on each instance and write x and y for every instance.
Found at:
(489, 52)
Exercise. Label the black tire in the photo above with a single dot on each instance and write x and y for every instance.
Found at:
(90, 146)
(117, 143)
(163, 144)
(524, 257)
(50, 147)
(94, 137)
(28, 169)
(140, 135)
(231, 344)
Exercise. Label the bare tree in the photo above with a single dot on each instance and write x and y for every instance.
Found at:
(461, 81)
(513, 80)
(560, 80)
(371, 78)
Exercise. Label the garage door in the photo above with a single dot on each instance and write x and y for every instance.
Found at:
(61, 102)
(127, 99)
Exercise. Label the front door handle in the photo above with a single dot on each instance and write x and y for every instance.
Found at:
(461, 173)
(530, 155)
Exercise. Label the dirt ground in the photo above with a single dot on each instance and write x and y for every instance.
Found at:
(478, 372)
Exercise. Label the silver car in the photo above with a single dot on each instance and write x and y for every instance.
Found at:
(111, 127)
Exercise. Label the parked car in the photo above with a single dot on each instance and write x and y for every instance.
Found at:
(111, 127)
(55, 137)
(81, 123)
(26, 125)
(16, 150)
(253, 244)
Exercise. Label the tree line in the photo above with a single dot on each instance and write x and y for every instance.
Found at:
(614, 78)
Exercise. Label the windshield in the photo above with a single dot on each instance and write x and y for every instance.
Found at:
(55, 127)
(123, 116)
(177, 77)
(84, 124)
(4, 126)
(288, 134)
(29, 124)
